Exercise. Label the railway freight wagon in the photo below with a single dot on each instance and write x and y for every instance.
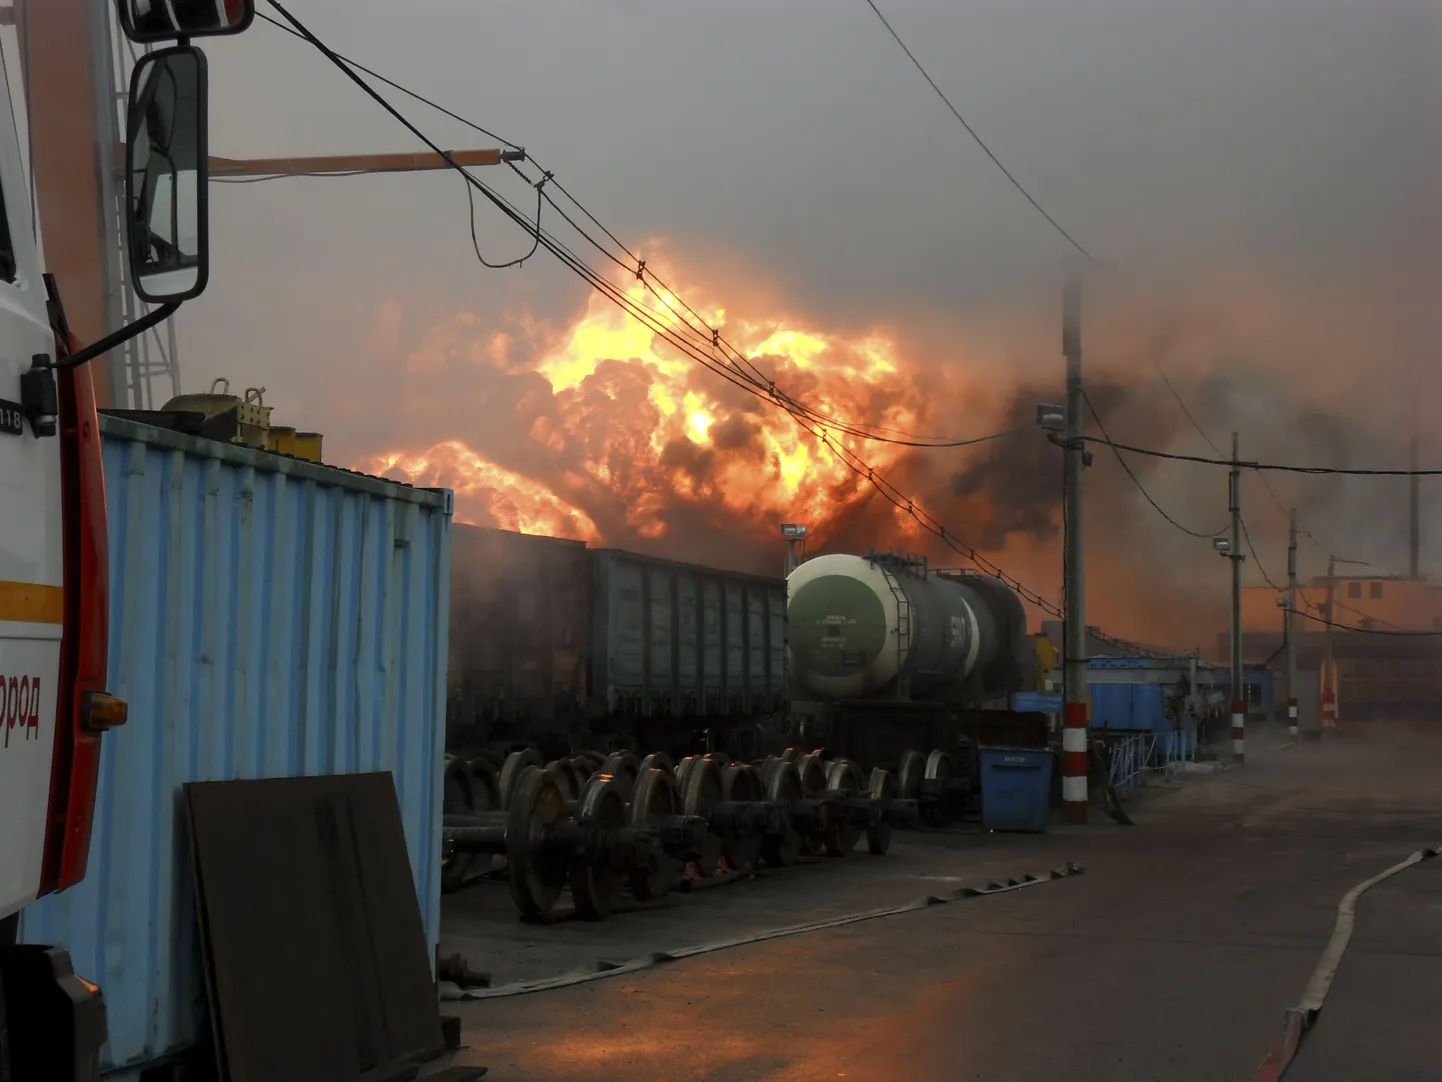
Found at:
(566, 648)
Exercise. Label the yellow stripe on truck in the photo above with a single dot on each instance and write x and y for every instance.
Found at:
(31, 603)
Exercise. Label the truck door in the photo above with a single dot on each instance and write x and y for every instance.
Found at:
(31, 549)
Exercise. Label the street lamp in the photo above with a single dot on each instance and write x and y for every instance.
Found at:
(1051, 418)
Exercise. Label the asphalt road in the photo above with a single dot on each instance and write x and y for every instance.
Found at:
(1171, 959)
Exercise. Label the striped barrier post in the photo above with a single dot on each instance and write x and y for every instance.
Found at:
(1329, 710)
(1239, 731)
(1074, 762)
(1292, 718)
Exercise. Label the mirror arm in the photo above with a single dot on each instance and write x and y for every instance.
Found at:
(120, 337)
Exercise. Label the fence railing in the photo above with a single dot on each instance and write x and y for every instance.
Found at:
(1134, 755)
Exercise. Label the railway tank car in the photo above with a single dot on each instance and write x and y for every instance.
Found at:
(886, 655)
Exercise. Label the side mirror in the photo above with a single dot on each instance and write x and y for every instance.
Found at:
(167, 176)
(146, 21)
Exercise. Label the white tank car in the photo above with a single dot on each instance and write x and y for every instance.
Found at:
(863, 627)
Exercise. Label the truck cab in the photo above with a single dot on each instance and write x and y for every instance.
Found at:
(54, 589)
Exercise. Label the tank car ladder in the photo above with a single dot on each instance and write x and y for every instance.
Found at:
(903, 634)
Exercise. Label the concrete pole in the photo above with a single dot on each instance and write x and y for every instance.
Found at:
(1291, 627)
(1239, 706)
(1329, 690)
(1414, 517)
(1074, 710)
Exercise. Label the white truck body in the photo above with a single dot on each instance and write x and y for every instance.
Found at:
(31, 545)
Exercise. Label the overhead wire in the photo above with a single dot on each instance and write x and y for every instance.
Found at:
(1281, 506)
(1273, 467)
(1257, 560)
(1136, 480)
(1368, 630)
(1015, 183)
(649, 280)
(819, 426)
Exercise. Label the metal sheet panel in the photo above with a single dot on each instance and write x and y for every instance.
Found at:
(269, 618)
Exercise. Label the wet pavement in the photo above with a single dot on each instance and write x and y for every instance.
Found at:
(1171, 959)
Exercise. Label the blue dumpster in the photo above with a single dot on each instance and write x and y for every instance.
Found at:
(1015, 788)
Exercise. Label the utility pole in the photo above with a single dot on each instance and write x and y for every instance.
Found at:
(1414, 518)
(1329, 688)
(1239, 706)
(1290, 627)
(1074, 710)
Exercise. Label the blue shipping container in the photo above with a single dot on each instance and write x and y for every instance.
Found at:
(1015, 788)
(1128, 706)
(269, 618)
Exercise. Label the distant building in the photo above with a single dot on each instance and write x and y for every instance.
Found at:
(1377, 675)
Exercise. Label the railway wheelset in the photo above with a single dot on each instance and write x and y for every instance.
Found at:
(604, 825)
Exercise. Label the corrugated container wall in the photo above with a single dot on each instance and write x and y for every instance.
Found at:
(680, 640)
(269, 618)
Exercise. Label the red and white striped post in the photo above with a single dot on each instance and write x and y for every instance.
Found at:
(1329, 710)
(1292, 718)
(1074, 762)
(1239, 731)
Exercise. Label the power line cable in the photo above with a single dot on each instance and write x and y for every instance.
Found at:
(805, 418)
(849, 458)
(649, 280)
(540, 186)
(1368, 630)
(1281, 506)
(1136, 480)
(1257, 560)
(978, 139)
(1186, 412)
(1270, 466)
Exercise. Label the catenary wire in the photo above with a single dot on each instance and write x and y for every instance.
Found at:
(1257, 560)
(1135, 479)
(1368, 630)
(650, 281)
(844, 454)
(978, 140)
(1270, 466)
(1281, 506)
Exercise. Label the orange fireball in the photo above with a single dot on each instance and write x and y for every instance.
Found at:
(637, 431)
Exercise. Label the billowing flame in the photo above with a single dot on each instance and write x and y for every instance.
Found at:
(635, 433)
(512, 502)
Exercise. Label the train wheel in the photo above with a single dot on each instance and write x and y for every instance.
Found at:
(623, 767)
(516, 762)
(655, 799)
(813, 781)
(740, 782)
(595, 885)
(702, 793)
(939, 768)
(841, 834)
(883, 791)
(783, 786)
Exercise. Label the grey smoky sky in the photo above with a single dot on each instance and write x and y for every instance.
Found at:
(1285, 149)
